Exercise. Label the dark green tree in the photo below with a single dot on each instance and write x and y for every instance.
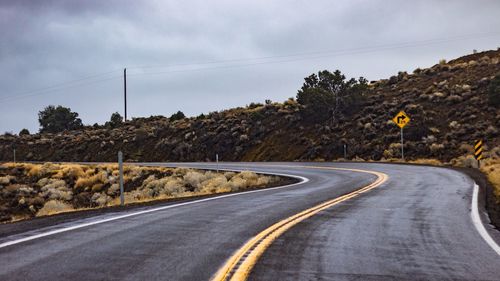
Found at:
(494, 91)
(115, 121)
(57, 119)
(329, 95)
(177, 116)
(24, 132)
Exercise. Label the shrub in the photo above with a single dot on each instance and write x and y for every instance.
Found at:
(115, 121)
(70, 171)
(491, 168)
(169, 186)
(24, 132)
(216, 184)
(5, 180)
(494, 91)
(141, 134)
(237, 183)
(53, 207)
(177, 116)
(89, 182)
(100, 199)
(55, 189)
(254, 105)
(194, 178)
(40, 171)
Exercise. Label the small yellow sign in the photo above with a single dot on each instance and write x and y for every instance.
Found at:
(401, 119)
(478, 150)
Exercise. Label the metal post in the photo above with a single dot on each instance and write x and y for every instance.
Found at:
(14, 155)
(125, 90)
(217, 161)
(120, 167)
(345, 151)
(402, 146)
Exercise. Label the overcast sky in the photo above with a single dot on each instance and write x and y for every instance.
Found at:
(202, 56)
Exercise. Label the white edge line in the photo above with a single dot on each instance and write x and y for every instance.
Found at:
(61, 230)
(476, 219)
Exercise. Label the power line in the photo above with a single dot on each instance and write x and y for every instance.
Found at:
(223, 64)
(36, 93)
(310, 56)
(56, 86)
(428, 41)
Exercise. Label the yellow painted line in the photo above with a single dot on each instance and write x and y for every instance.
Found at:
(240, 264)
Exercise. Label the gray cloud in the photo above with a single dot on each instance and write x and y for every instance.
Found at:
(49, 42)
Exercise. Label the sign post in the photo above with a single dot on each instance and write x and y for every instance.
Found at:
(345, 151)
(401, 119)
(120, 167)
(478, 152)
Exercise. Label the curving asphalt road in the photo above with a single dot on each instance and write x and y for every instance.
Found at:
(416, 226)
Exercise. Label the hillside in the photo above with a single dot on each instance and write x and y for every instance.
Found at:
(448, 105)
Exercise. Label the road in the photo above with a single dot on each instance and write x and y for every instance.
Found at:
(415, 226)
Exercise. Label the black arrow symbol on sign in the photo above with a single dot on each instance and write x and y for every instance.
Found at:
(401, 118)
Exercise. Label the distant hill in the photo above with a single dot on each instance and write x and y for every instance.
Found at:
(447, 103)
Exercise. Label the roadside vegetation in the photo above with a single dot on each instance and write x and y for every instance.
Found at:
(491, 168)
(29, 190)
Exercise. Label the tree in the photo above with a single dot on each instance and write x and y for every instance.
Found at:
(177, 116)
(329, 95)
(494, 91)
(24, 132)
(57, 119)
(115, 121)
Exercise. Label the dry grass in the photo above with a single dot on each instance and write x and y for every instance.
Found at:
(491, 168)
(427, 161)
(53, 188)
(54, 207)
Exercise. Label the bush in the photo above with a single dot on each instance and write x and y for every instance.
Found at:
(54, 207)
(115, 121)
(494, 91)
(177, 116)
(254, 105)
(57, 119)
(24, 132)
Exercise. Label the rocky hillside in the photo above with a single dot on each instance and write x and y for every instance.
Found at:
(448, 105)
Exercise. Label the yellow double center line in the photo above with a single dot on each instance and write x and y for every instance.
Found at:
(239, 265)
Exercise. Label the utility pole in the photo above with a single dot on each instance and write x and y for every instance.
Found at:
(125, 90)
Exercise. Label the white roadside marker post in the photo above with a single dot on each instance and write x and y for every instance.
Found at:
(120, 167)
(217, 161)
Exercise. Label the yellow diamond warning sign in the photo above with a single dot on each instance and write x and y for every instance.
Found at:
(401, 119)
